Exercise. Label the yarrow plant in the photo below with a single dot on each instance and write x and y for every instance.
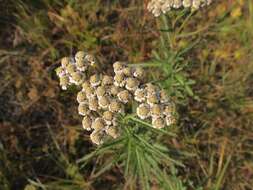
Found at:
(103, 98)
(126, 106)
(158, 7)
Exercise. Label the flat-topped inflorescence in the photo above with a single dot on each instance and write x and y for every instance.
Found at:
(158, 7)
(73, 69)
(155, 105)
(103, 98)
(153, 102)
(104, 107)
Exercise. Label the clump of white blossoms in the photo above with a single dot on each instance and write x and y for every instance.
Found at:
(73, 70)
(154, 104)
(158, 7)
(103, 98)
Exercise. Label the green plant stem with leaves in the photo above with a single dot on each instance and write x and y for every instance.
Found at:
(140, 151)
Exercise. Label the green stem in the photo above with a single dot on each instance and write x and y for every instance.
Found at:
(147, 64)
(219, 181)
(167, 28)
(185, 21)
(193, 33)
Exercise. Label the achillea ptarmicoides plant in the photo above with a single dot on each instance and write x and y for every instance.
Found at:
(102, 98)
(158, 7)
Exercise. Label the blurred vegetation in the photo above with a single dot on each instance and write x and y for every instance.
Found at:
(203, 59)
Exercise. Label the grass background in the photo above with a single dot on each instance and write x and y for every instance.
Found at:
(206, 64)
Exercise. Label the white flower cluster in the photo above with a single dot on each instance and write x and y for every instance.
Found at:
(72, 70)
(155, 104)
(157, 7)
(103, 97)
(100, 102)
(152, 101)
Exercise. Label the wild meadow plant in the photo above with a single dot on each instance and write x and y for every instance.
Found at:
(130, 113)
(187, 40)
(158, 7)
(104, 98)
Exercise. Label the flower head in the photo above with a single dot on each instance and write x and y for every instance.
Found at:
(157, 7)
(71, 68)
(119, 80)
(158, 123)
(93, 104)
(81, 97)
(64, 82)
(97, 137)
(102, 97)
(107, 80)
(124, 96)
(98, 124)
(65, 61)
(108, 117)
(170, 120)
(87, 122)
(77, 78)
(104, 102)
(115, 106)
(100, 91)
(127, 71)
(60, 71)
(83, 109)
(95, 80)
(119, 66)
(132, 84)
(156, 110)
(139, 73)
(114, 90)
(113, 131)
(143, 111)
(140, 95)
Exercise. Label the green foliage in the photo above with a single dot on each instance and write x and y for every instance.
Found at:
(137, 150)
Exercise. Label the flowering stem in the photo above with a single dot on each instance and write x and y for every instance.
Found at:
(167, 31)
(185, 21)
(185, 35)
(147, 64)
